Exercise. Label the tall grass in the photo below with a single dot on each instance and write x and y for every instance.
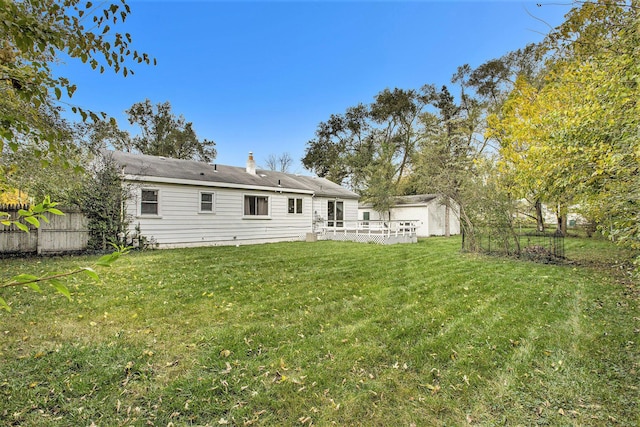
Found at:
(324, 333)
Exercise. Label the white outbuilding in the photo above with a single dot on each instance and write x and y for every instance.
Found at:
(427, 211)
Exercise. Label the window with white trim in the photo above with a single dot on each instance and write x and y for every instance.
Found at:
(294, 206)
(207, 200)
(256, 205)
(149, 202)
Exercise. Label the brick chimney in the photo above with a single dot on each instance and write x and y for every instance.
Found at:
(251, 164)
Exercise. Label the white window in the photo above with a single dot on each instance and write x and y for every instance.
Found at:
(149, 201)
(256, 206)
(295, 206)
(207, 201)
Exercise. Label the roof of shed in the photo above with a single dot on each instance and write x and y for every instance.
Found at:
(162, 167)
(416, 200)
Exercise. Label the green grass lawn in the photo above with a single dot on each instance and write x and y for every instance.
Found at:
(324, 333)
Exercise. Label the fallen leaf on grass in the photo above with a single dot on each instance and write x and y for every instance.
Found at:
(434, 388)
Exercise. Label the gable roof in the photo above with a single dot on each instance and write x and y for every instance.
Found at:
(162, 169)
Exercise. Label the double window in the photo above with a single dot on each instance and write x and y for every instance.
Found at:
(256, 206)
(295, 206)
(149, 202)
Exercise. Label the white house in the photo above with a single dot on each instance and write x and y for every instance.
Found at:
(182, 203)
(426, 210)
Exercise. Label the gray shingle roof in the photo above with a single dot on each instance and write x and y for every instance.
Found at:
(419, 199)
(415, 200)
(160, 167)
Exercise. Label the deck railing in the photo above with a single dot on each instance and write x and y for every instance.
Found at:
(393, 228)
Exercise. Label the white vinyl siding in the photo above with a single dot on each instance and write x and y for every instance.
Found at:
(321, 210)
(182, 223)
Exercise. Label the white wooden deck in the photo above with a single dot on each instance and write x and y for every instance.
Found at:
(382, 232)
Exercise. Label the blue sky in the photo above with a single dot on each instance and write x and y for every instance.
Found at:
(259, 76)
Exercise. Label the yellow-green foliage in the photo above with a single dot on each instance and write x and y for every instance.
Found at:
(575, 138)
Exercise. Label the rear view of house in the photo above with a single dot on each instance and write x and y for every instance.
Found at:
(181, 203)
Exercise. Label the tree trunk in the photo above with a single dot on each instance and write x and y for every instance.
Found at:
(539, 218)
(561, 215)
(468, 230)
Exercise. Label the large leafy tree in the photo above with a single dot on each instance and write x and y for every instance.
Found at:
(576, 135)
(36, 33)
(456, 153)
(530, 159)
(101, 134)
(45, 174)
(486, 89)
(340, 143)
(447, 150)
(371, 147)
(162, 133)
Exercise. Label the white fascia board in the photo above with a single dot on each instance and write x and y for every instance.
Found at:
(163, 180)
(412, 205)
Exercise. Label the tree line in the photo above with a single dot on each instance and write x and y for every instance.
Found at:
(554, 123)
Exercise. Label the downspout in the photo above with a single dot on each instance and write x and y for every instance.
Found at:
(313, 214)
(427, 222)
(447, 220)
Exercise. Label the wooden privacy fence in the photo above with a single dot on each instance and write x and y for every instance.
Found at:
(63, 233)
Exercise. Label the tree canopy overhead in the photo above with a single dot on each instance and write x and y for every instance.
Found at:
(36, 33)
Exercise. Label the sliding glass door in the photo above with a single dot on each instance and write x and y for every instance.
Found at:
(335, 213)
